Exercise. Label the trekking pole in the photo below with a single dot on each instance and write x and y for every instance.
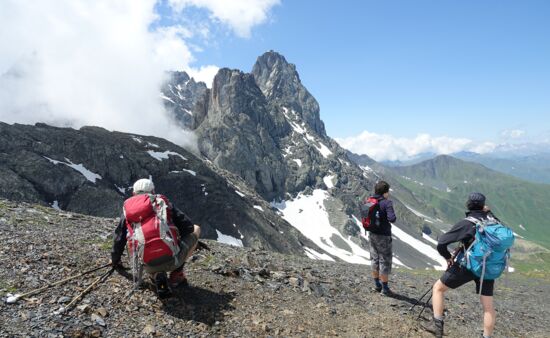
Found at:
(98, 280)
(15, 298)
(419, 299)
(424, 307)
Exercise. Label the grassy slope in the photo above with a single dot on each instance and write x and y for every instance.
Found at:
(515, 201)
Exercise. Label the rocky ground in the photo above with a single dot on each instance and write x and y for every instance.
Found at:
(232, 292)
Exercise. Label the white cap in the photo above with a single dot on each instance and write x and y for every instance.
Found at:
(143, 185)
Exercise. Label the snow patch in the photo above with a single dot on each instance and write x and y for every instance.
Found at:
(298, 162)
(328, 181)
(55, 205)
(429, 238)
(239, 193)
(164, 155)
(90, 176)
(167, 98)
(226, 239)
(324, 150)
(137, 139)
(190, 172)
(121, 189)
(317, 255)
(518, 235)
(259, 208)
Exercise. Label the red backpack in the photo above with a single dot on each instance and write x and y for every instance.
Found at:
(152, 237)
(370, 214)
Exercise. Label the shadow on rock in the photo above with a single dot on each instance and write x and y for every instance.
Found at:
(198, 304)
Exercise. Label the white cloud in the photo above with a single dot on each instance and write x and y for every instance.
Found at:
(382, 147)
(240, 15)
(512, 133)
(205, 74)
(102, 62)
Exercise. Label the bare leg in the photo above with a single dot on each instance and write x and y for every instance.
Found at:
(375, 274)
(384, 278)
(489, 315)
(438, 298)
(196, 232)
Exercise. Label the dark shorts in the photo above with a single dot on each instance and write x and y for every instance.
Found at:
(458, 275)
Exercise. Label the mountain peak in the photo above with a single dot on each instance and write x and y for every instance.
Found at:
(280, 83)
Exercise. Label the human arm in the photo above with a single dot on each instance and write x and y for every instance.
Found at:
(182, 222)
(390, 212)
(119, 241)
(461, 231)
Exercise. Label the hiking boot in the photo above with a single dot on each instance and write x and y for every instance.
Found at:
(386, 292)
(436, 327)
(161, 285)
(177, 278)
(376, 289)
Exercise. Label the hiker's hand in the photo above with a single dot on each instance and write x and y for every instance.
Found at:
(450, 262)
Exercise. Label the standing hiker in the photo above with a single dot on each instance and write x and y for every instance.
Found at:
(459, 272)
(160, 237)
(376, 217)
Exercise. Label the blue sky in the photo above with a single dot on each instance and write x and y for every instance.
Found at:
(447, 68)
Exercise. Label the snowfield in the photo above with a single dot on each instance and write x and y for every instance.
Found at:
(420, 246)
(309, 216)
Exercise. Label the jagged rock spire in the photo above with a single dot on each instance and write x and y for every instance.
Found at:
(280, 83)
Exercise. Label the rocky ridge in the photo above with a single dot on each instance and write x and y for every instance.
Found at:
(233, 291)
(92, 170)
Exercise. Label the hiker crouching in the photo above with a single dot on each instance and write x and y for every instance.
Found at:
(160, 237)
(380, 240)
(461, 264)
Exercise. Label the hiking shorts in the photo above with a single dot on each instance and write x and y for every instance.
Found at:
(172, 263)
(458, 275)
(380, 247)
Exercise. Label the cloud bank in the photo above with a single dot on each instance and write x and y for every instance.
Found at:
(384, 147)
(102, 62)
(240, 15)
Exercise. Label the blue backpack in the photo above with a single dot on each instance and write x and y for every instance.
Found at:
(488, 255)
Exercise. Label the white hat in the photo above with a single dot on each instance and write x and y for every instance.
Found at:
(143, 185)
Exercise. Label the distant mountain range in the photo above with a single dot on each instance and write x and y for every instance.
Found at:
(445, 182)
(528, 162)
(533, 167)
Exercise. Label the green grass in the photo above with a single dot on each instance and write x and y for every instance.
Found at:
(534, 265)
(513, 200)
(6, 288)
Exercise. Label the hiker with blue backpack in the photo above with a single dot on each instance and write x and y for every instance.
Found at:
(482, 256)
